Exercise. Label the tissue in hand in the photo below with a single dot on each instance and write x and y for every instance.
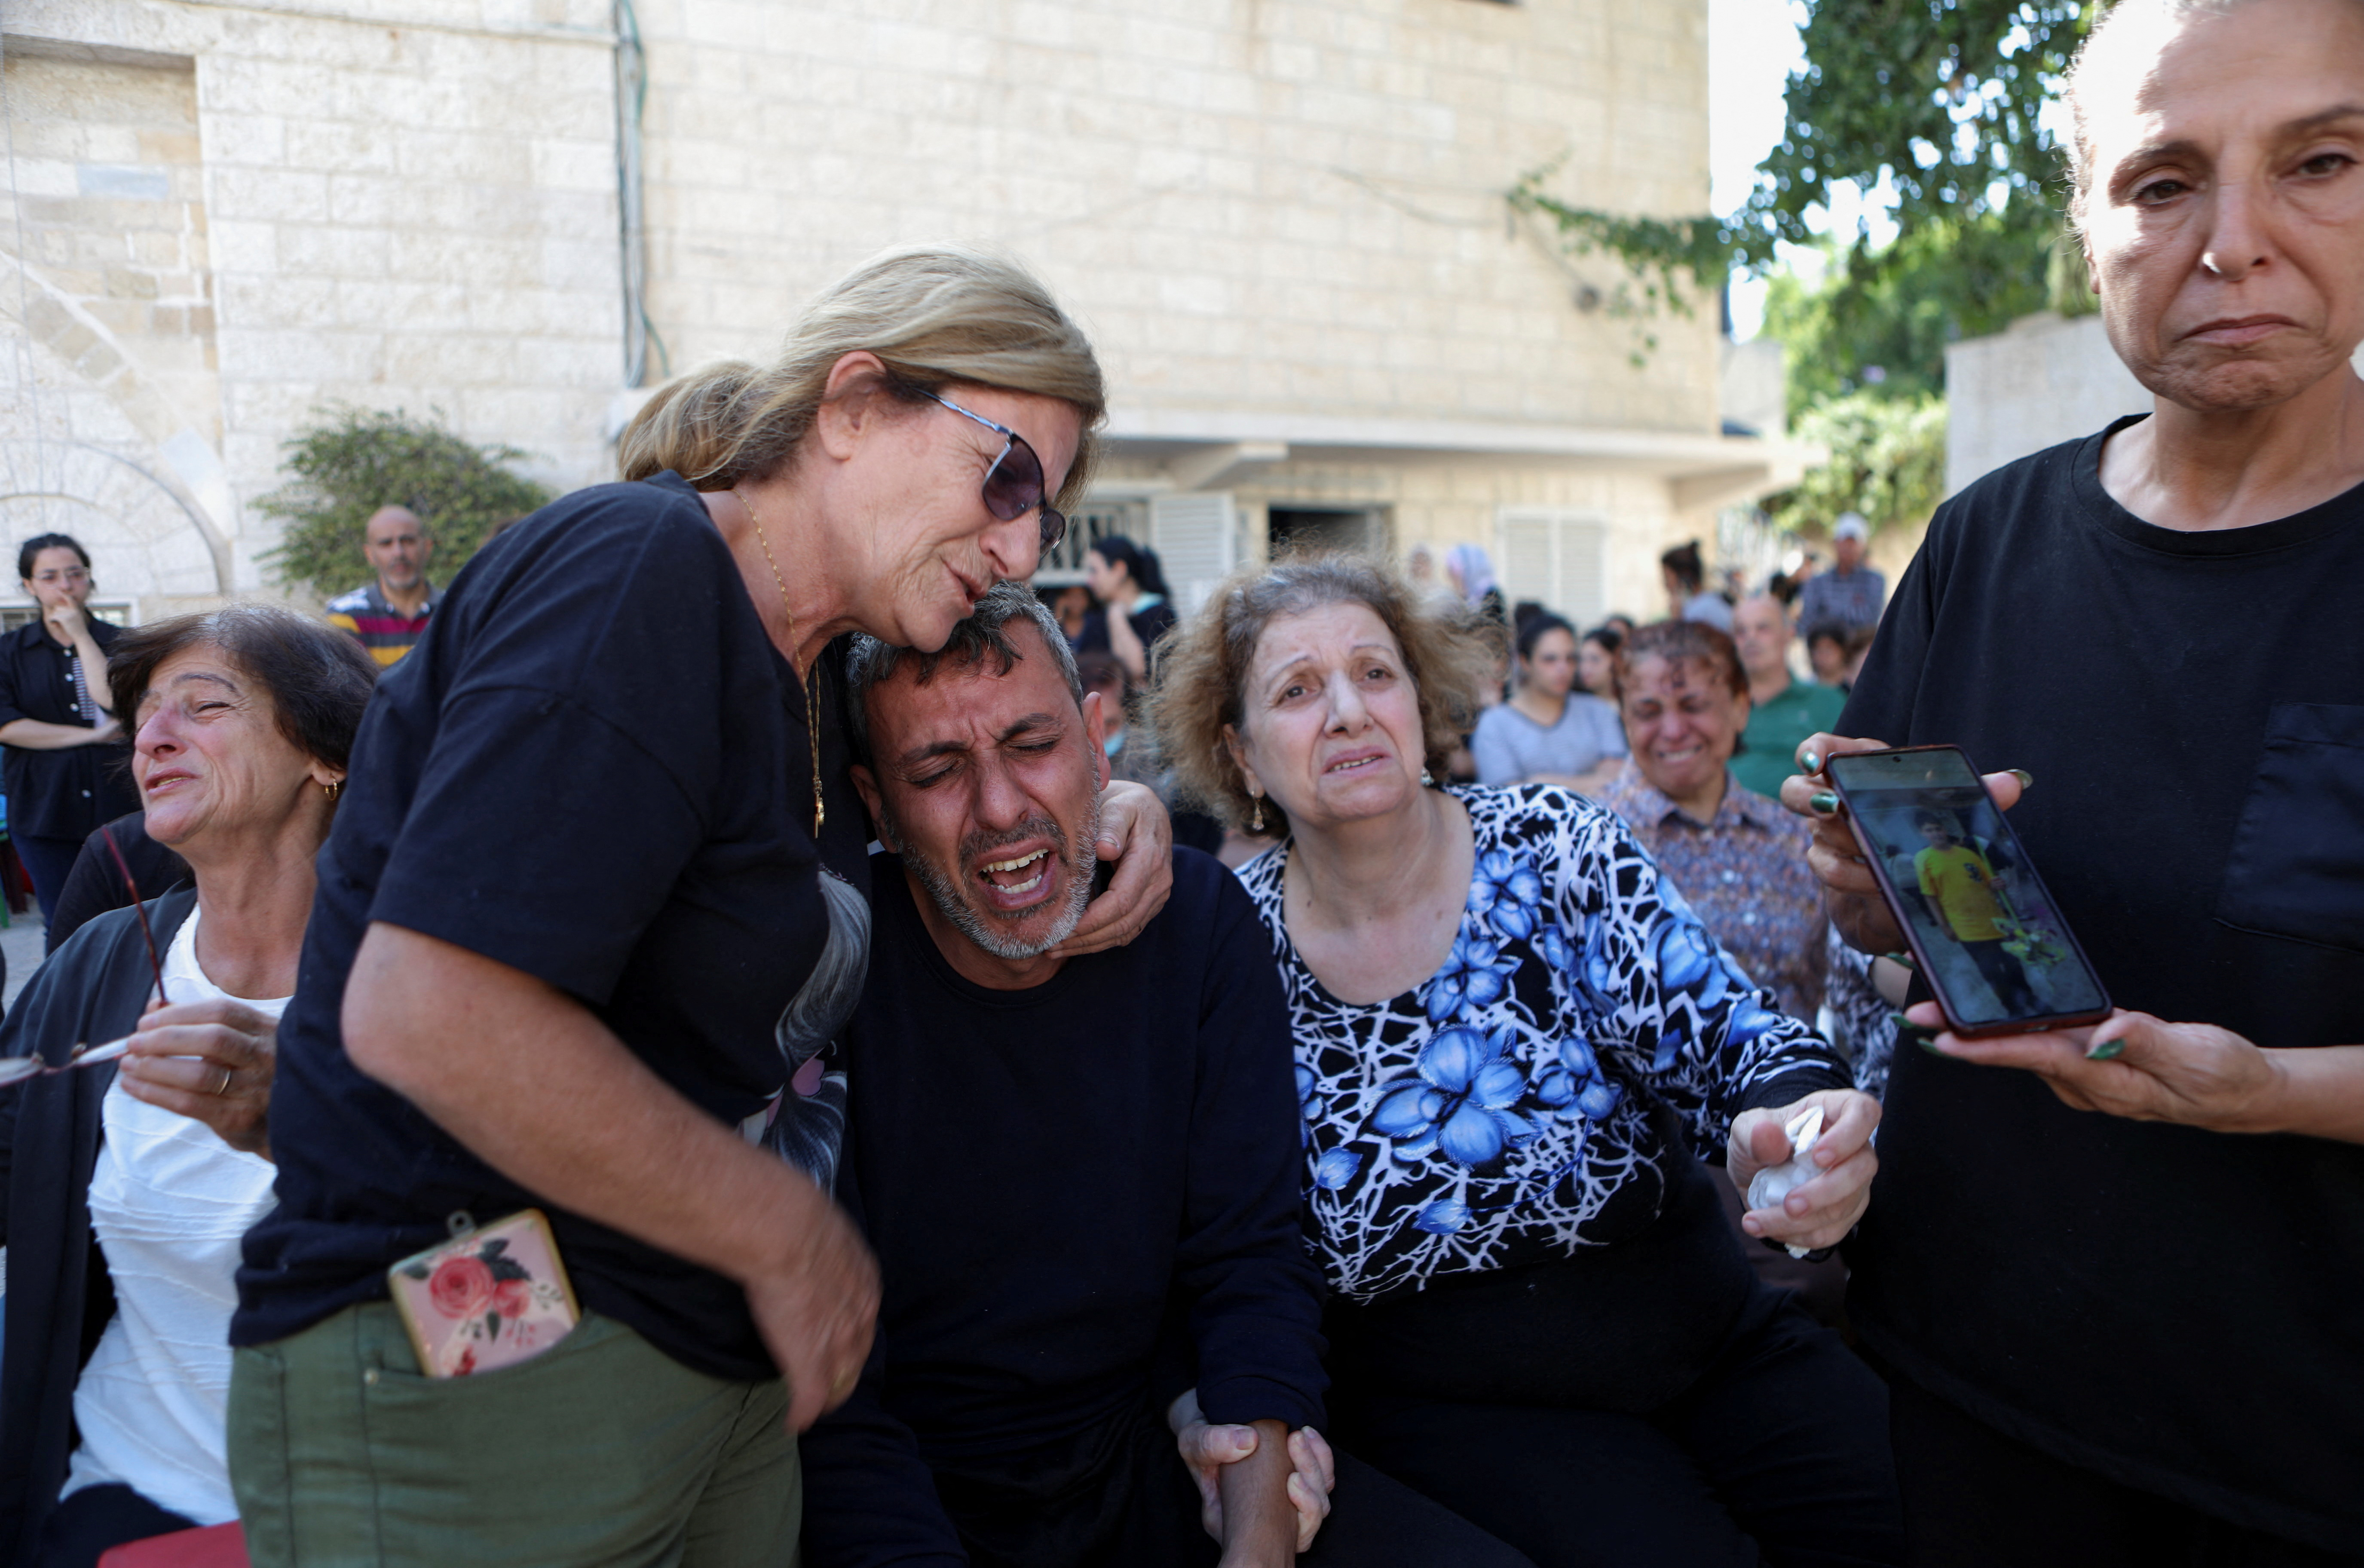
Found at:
(1778, 1182)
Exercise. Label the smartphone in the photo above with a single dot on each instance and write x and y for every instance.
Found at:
(1989, 940)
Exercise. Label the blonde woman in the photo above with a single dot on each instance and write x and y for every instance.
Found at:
(591, 915)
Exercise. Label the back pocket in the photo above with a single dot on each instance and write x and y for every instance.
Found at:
(2297, 865)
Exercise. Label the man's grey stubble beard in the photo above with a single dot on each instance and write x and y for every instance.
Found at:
(1081, 858)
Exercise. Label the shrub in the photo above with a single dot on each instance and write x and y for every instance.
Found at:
(1887, 462)
(355, 460)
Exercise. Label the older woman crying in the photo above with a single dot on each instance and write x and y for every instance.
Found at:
(242, 722)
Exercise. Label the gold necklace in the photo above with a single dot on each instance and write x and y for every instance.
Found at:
(811, 680)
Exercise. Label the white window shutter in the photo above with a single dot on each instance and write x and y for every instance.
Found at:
(1559, 557)
(1195, 536)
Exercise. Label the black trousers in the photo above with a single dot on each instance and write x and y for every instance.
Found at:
(1777, 1454)
(97, 1520)
(47, 862)
(2007, 975)
(1975, 1498)
(1137, 1507)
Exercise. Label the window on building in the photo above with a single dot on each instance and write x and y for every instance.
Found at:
(1556, 556)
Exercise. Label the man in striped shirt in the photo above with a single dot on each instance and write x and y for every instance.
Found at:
(390, 614)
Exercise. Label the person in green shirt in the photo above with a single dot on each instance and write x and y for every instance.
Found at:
(1782, 711)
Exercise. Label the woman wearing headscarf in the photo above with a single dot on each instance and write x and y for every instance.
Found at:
(2116, 1270)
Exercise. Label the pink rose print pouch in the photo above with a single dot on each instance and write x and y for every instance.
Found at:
(486, 1298)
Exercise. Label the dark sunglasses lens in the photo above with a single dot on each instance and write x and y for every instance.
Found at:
(1015, 485)
(1055, 526)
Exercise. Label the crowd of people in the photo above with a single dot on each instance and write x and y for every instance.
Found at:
(737, 1031)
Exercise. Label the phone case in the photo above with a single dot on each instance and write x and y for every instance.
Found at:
(1931, 971)
(489, 1297)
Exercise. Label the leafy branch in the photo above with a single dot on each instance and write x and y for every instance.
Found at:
(355, 460)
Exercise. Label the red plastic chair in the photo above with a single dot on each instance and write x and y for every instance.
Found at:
(215, 1546)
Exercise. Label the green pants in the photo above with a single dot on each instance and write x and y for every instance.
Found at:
(602, 1451)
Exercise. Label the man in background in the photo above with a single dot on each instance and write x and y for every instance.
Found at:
(390, 614)
(1782, 711)
(1850, 593)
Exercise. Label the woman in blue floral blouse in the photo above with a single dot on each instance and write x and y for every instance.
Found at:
(1510, 1035)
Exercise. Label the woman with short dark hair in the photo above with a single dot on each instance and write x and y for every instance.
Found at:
(1739, 857)
(62, 744)
(244, 721)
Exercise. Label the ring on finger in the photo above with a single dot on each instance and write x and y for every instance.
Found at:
(223, 1087)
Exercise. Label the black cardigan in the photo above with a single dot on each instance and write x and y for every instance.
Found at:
(91, 989)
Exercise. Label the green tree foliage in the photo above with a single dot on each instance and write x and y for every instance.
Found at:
(1933, 104)
(1887, 462)
(355, 460)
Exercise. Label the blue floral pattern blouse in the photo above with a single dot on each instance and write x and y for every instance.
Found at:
(1501, 1113)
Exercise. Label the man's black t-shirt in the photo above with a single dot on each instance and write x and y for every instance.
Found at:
(1043, 1171)
(2181, 1310)
(593, 768)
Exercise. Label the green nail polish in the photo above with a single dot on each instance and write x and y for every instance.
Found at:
(2026, 780)
(1822, 804)
(1811, 761)
(2106, 1051)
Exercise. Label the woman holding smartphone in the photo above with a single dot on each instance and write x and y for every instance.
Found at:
(2059, 1294)
(591, 913)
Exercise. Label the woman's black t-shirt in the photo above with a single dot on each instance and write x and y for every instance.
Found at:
(593, 768)
(2178, 1309)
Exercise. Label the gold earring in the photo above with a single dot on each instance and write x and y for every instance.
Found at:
(1256, 823)
(334, 788)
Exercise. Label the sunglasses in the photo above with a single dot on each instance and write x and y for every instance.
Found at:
(1014, 485)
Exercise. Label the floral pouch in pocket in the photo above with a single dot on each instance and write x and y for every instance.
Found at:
(486, 1298)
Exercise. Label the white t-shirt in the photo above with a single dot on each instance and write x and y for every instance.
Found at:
(169, 1200)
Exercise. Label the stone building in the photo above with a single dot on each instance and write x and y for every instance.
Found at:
(1284, 222)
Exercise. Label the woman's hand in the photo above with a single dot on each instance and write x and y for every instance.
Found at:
(67, 619)
(1838, 855)
(1821, 1212)
(2137, 1066)
(1207, 1449)
(211, 1061)
(1138, 837)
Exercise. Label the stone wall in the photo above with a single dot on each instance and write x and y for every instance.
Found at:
(1252, 203)
(236, 215)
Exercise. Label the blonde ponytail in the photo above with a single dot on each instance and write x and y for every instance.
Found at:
(934, 315)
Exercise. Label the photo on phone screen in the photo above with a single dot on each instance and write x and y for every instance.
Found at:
(1995, 949)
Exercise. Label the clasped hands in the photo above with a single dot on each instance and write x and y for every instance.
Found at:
(1207, 1447)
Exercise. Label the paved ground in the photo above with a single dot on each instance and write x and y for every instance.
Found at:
(22, 944)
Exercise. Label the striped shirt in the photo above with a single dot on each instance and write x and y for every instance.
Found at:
(385, 631)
